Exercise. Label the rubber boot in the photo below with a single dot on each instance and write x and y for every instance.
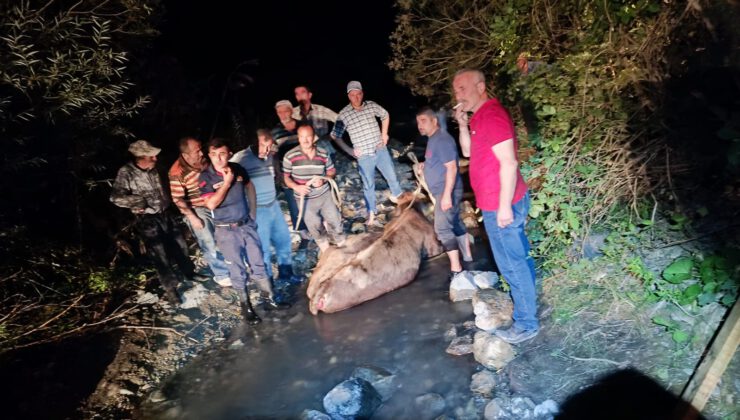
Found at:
(250, 316)
(170, 290)
(464, 246)
(285, 274)
(268, 296)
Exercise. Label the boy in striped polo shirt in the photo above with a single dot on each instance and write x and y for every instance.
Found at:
(300, 165)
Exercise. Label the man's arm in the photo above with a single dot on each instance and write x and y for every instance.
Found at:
(214, 200)
(122, 195)
(177, 191)
(328, 114)
(251, 199)
(384, 124)
(464, 139)
(300, 189)
(504, 152)
(450, 178)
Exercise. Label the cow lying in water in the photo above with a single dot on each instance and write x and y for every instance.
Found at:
(373, 264)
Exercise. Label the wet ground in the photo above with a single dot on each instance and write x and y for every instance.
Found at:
(288, 363)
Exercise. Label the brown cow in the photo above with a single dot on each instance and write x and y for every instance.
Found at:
(372, 264)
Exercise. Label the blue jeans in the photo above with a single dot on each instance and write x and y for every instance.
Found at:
(207, 243)
(510, 248)
(367, 164)
(273, 231)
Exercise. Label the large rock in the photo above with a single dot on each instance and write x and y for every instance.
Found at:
(194, 296)
(313, 415)
(460, 346)
(493, 309)
(485, 279)
(546, 408)
(462, 287)
(483, 383)
(379, 378)
(353, 398)
(522, 408)
(491, 351)
(493, 410)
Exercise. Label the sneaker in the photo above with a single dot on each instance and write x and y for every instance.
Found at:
(200, 277)
(514, 335)
(224, 282)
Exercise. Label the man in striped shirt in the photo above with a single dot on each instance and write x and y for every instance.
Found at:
(286, 137)
(186, 195)
(369, 142)
(302, 167)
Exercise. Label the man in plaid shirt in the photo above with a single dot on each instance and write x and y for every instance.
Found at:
(369, 142)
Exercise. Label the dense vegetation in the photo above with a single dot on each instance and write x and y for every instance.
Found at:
(589, 83)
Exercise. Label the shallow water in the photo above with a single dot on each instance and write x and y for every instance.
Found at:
(289, 362)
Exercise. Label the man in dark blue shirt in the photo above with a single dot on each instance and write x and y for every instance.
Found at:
(232, 200)
(442, 175)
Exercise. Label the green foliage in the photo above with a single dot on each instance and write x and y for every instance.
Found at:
(579, 98)
(67, 64)
(692, 281)
(677, 334)
(99, 281)
(66, 90)
(679, 270)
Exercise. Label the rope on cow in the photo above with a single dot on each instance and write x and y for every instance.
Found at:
(335, 195)
(419, 174)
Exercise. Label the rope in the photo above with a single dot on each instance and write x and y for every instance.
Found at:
(335, 195)
(420, 177)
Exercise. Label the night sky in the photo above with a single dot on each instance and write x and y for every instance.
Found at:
(321, 44)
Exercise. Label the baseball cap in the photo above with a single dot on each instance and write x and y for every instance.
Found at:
(353, 85)
(283, 102)
(141, 148)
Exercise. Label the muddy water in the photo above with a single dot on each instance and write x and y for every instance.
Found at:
(288, 363)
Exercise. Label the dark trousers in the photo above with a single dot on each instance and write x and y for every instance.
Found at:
(240, 242)
(165, 246)
(447, 224)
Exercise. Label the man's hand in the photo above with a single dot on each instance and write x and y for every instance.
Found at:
(302, 189)
(446, 202)
(195, 222)
(385, 138)
(357, 152)
(461, 116)
(504, 217)
(316, 182)
(228, 175)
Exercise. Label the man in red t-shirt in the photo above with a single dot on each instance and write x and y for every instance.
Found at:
(488, 138)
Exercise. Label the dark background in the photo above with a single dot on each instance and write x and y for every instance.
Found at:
(279, 45)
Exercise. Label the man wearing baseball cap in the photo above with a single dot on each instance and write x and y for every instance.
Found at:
(138, 187)
(369, 141)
